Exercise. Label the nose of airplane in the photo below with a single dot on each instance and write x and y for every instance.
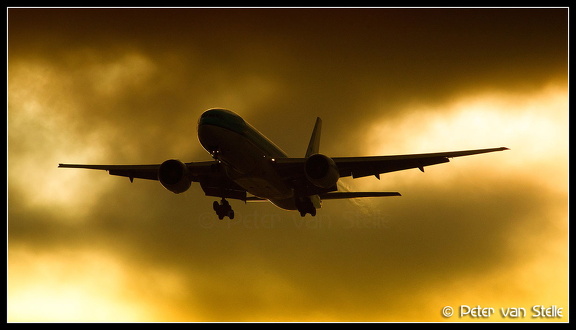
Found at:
(213, 123)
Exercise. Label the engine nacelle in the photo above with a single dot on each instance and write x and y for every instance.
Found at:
(321, 171)
(173, 175)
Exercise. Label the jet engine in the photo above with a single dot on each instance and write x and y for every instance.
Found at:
(173, 175)
(321, 171)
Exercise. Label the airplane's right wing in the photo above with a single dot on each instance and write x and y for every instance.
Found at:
(149, 172)
(209, 174)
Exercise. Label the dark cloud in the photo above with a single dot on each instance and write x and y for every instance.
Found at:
(127, 86)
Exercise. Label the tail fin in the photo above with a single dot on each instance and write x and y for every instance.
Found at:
(314, 144)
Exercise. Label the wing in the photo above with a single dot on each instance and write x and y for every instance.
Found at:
(365, 166)
(209, 174)
(149, 172)
(357, 167)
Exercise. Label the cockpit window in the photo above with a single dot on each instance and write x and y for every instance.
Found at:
(212, 114)
(220, 115)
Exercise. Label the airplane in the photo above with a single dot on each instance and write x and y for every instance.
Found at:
(247, 166)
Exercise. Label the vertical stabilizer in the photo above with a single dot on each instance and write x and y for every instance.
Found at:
(314, 144)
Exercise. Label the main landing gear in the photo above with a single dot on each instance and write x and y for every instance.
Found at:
(303, 212)
(305, 206)
(223, 209)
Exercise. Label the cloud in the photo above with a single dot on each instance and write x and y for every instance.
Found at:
(127, 86)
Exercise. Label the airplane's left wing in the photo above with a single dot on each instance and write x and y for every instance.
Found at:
(365, 166)
(358, 167)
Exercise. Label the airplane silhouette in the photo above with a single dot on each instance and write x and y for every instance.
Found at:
(248, 166)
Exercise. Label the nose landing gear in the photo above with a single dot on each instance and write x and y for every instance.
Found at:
(223, 209)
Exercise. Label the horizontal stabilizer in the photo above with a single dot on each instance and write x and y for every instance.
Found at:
(344, 195)
(340, 195)
(255, 199)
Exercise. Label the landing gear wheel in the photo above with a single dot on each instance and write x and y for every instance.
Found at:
(305, 206)
(311, 211)
(223, 209)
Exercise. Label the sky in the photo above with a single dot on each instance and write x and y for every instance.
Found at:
(127, 86)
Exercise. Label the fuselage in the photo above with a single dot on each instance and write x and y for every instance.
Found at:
(246, 155)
